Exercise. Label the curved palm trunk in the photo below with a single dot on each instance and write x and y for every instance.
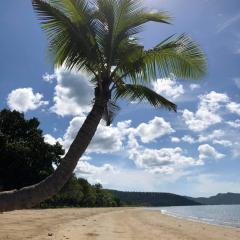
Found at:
(31, 196)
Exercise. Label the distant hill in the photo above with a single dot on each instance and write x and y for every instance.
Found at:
(219, 199)
(153, 199)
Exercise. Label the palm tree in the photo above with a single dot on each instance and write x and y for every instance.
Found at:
(101, 38)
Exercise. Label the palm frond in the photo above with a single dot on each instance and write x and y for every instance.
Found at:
(131, 65)
(71, 43)
(180, 56)
(119, 21)
(141, 93)
(128, 52)
(131, 24)
(105, 26)
(77, 10)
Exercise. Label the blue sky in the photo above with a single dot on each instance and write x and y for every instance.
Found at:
(193, 152)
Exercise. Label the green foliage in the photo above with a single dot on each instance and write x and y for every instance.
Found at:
(101, 35)
(79, 193)
(24, 156)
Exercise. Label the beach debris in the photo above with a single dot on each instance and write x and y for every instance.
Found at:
(50, 234)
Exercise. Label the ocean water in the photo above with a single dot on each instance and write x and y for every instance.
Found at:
(227, 215)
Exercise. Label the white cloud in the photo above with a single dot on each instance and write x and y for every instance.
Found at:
(216, 134)
(206, 115)
(164, 160)
(200, 120)
(105, 140)
(188, 139)
(154, 129)
(234, 107)
(50, 139)
(71, 132)
(206, 151)
(24, 99)
(225, 143)
(194, 86)
(215, 137)
(85, 168)
(73, 93)
(111, 139)
(169, 88)
(49, 77)
(175, 139)
(234, 124)
(208, 112)
(213, 101)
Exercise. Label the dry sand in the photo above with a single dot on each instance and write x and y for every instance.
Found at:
(106, 224)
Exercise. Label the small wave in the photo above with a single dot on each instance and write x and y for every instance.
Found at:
(163, 211)
(216, 217)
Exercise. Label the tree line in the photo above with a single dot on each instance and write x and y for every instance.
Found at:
(153, 199)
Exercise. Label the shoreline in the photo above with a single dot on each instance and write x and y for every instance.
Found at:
(193, 219)
(107, 224)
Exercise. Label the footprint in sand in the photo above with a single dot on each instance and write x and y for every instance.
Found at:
(92, 234)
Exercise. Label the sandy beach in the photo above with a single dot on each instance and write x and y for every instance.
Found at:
(106, 224)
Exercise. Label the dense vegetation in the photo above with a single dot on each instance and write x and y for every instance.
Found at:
(26, 159)
(153, 199)
(24, 156)
(79, 193)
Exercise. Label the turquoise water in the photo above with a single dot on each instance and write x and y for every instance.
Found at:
(228, 215)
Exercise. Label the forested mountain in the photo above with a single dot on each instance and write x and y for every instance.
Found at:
(153, 199)
(168, 199)
(219, 199)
